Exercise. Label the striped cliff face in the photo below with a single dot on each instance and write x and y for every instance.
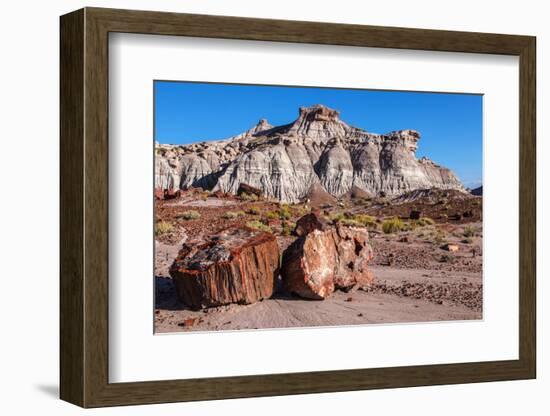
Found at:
(317, 149)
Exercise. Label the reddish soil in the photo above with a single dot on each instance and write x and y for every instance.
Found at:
(416, 278)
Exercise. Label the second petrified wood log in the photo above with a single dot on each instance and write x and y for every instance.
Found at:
(237, 265)
(324, 260)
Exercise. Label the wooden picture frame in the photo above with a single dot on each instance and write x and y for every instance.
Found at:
(84, 207)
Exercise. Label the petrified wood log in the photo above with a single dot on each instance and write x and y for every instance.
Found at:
(354, 254)
(324, 260)
(309, 264)
(237, 265)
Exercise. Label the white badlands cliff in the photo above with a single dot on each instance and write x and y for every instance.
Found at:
(287, 162)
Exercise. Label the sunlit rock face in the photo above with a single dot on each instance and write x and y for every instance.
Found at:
(317, 149)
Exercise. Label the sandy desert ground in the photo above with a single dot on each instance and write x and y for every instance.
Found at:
(416, 278)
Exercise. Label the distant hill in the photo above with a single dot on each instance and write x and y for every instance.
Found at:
(477, 191)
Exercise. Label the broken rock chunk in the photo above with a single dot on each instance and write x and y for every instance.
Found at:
(324, 260)
(237, 265)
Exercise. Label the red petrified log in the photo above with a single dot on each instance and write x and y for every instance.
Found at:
(324, 260)
(354, 254)
(237, 265)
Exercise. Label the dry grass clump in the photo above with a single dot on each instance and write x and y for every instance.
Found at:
(469, 231)
(249, 197)
(272, 215)
(258, 226)
(231, 215)
(189, 215)
(163, 227)
(392, 225)
(285, 213)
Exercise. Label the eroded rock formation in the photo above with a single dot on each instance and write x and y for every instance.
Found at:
(318, 149)
(237, 265)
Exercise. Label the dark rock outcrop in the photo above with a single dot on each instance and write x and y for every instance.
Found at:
(310, 222)
(477, 191)
(249, 190)
(237, 265)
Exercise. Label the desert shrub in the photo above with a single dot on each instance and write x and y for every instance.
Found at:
(469, 231)
(272, 215)
(392, 225)
(352, 222)
(163, 227)
(439, 237)
(253, 211)
(285, 213)
(467, 240)
(446, 258)
(366, 220)
(337, 216)
(425, 221)
(288, 227)
(300, 211)
(231, 215)
(189, 215)
(258, 226)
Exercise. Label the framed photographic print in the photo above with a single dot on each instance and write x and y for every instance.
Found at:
(255, 207)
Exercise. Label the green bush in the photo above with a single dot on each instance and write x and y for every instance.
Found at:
(258, 226)
(189, 215)
(272, 215)
(288, 227)
(392, 225)
(366, 220)
(163, 227)
(285, 213)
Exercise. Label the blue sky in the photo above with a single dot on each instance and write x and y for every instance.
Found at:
(450, 124)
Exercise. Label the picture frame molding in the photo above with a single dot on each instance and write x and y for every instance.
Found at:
(84, 217)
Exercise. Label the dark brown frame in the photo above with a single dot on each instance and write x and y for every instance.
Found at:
(84, 209)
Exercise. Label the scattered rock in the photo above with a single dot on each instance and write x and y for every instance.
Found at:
(171, 193)
(359, 193)
(237, 265)
(159, 194)
(450, 247)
